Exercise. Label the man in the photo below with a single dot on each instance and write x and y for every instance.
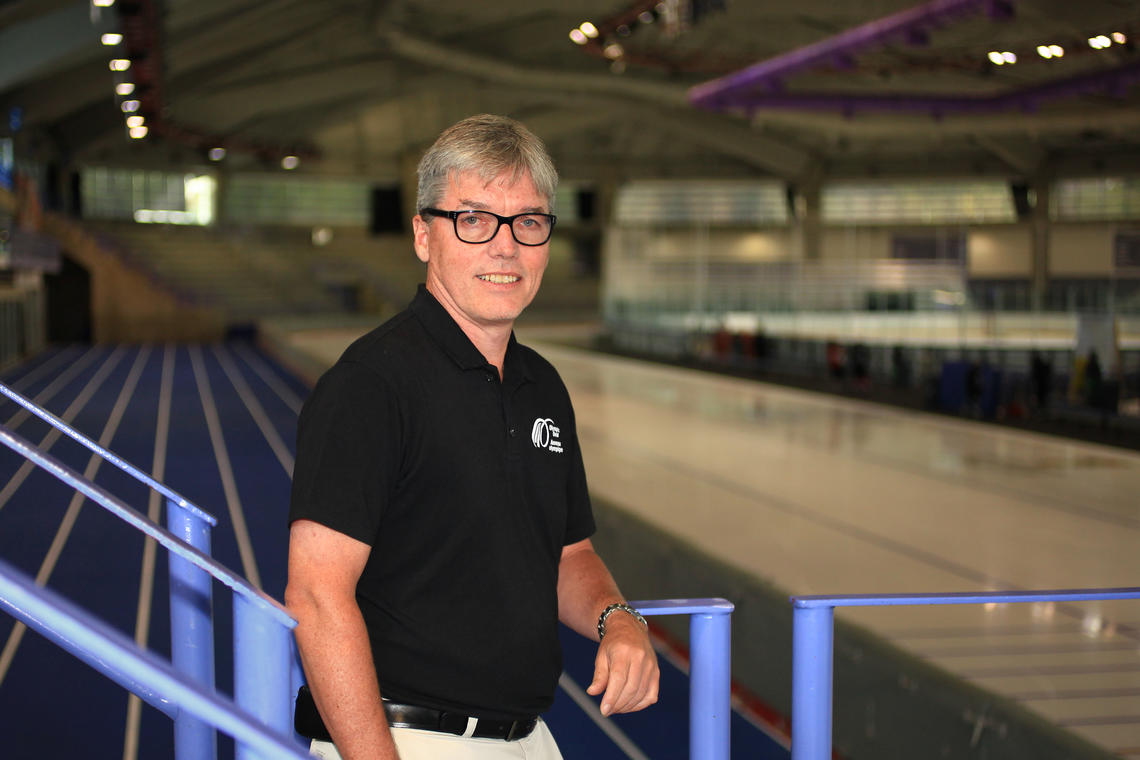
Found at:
(440, 519)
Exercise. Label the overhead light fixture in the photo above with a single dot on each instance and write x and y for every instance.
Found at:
(102, 3)
(1057, 51)
(578, 36)
(119, 64)
(130, 106)
(138, 133)
(1119, 38)
(613, 51)
(124, 88)
(1044, 51)
(1009, 57)
(135, 121)
(111, 38)
(995, 58)
(290, 162)
(217, 154)
(589, 29)
(647, 17)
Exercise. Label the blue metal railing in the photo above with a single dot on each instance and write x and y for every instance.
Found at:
(265, 675)
(710, 671)
(813, 625)
(120, 659)
(266, 669)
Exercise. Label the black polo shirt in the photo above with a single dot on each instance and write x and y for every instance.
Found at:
(466, 488)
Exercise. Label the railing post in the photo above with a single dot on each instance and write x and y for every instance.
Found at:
(812, 634)
(710, 695)
(263, 669)
(191, 629)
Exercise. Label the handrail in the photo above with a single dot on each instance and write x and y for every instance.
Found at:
(120, 659)
(137, 520)
(106, 454)
(813, 622)
(710, 671)
(262, 626)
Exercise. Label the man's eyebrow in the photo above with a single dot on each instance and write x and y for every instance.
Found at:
(478, 206)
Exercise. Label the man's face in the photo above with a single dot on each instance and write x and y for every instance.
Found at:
(483, 285)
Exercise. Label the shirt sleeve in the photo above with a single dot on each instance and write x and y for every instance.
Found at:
(348, 452)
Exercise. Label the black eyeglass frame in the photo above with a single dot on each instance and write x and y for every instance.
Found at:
(507, 220)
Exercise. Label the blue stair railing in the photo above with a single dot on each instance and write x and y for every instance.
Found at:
(266, 669)
(813, 625)
(119, 658)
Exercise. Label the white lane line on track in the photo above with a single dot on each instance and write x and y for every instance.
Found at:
(608, 727)
(146, 574)
(63, 532)
(225, 469)
(272, 437)
(263, 370)
(44, 369)
(53, 435)
(48, 393)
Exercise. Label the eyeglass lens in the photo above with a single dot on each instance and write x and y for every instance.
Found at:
(481, 226)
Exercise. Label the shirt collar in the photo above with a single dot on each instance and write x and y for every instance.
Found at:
(444, 330)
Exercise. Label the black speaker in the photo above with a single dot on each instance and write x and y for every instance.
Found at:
(386, 212)
(587, 205)
(1021, 204)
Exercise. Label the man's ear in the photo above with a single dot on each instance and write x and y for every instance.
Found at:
(420, 229)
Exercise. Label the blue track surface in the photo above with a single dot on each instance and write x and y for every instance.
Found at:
(54, 706)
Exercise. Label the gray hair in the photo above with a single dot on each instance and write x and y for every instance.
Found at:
(489, 145)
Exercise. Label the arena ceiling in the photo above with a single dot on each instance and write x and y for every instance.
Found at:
(837, 89)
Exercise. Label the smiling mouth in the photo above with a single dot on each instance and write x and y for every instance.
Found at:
(498, 279)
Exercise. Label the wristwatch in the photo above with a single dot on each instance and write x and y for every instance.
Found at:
(612, 609)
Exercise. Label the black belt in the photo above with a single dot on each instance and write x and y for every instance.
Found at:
(427, 719)
(307, 721)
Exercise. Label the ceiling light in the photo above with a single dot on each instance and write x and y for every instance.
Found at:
(613, 51)
(646, 17)
(1044, 51)
(995, 58)
(1094, 43)
(217, 154)
(1119, 38)
(589, 29)
(119, 64)
(578, 36)
(137, 133)
(130, 106)
(111, 38)
(102, 3)
(1057, 51)
(124, 88)
(135, 121)
(618, 66)
(1009, 57)
(290, 162)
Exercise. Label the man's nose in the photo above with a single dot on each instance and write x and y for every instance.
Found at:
(504, 243)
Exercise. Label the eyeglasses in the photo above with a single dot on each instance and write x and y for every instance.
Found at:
(480, 226)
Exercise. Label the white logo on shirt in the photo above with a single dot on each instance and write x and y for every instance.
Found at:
(544, 435)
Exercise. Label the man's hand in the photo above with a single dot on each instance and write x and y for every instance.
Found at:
(626, 667)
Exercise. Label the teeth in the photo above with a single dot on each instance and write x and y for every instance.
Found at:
(498, 279)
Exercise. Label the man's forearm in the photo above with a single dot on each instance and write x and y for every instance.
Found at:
(585, 587)
(338, 663)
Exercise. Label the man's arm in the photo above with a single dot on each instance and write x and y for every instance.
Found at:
(324, 567)
(626, 665)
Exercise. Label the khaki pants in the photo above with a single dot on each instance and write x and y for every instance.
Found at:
(414, 744)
